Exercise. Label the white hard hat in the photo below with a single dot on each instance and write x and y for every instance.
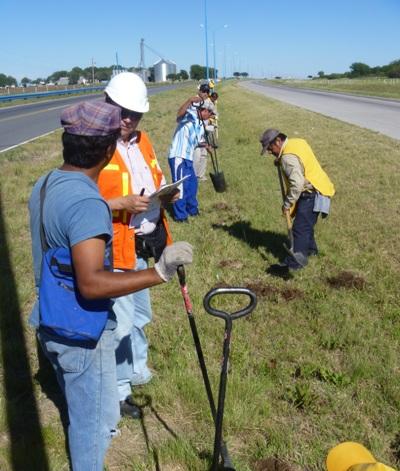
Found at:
(129, 91)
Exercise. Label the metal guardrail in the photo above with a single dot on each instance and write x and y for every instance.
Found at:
(26, 96)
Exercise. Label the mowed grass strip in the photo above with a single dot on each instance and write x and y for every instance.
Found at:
(375, 86)
(315, 364)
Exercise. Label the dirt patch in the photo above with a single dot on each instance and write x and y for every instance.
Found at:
(265, 290)
(273, 464)
(235, 264)
(221, 206)
(347, 279)
(291, 293)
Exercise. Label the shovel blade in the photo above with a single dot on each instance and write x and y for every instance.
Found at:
(300, 258)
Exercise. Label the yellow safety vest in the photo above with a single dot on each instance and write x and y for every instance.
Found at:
(313, 171)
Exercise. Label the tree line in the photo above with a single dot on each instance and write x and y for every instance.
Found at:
(102, 74)
(359, 69)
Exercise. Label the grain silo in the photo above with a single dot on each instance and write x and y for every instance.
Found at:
(162, 68)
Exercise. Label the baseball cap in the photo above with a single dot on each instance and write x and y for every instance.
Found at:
(267, 137)
(208, 105)
(352, 456)
(91, 119)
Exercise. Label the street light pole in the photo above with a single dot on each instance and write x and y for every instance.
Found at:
(206, 33)
(215, 70)
(215, 75)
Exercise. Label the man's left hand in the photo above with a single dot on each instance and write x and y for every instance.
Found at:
(171, 198)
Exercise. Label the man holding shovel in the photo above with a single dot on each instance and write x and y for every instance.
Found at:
(189, 133)
(306, 192)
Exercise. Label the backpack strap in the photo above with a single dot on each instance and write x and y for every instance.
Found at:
(43, 240)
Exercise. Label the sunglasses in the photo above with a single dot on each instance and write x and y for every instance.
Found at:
(132, 115)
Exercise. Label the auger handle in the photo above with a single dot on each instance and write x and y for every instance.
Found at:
(230, 290)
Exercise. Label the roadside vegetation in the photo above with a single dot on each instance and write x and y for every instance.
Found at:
(373, 86)
(315, 364)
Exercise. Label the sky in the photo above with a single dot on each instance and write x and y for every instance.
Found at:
(266, 38)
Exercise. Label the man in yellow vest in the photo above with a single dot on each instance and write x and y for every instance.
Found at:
(140, 228)
(308, 193)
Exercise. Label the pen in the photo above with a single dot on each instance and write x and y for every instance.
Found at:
(142, 192)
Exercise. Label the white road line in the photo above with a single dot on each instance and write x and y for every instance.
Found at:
(32, 113)
(29, 140)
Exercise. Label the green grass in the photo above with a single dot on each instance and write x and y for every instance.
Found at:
(312, 366)
(379, 87)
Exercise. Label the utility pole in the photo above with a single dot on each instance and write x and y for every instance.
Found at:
(93, 64)
(142, 65)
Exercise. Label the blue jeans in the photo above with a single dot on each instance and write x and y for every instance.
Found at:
(87, 378)
(187, 204)
(133, 314)
(303, 229)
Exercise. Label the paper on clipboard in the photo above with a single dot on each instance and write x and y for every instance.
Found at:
(168, 189)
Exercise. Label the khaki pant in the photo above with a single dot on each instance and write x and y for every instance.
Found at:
(200, 162)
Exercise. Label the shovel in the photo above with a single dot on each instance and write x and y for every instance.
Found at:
(217, 178)
(300, 258)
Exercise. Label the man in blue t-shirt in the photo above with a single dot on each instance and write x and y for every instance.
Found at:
(75, 216)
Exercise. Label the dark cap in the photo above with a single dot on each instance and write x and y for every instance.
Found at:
(268, 136)
(204, 88)
(91, 119)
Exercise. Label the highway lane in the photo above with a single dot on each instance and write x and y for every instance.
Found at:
(23, 123)
(378, 114)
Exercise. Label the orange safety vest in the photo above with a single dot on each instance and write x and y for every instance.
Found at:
(115, 181)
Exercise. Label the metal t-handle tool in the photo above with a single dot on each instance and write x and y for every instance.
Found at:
(228, 318)
(227, 464)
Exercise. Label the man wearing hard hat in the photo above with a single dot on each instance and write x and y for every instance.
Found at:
(140, 229)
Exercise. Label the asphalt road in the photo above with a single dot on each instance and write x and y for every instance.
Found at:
(378, 114)
(23, 123)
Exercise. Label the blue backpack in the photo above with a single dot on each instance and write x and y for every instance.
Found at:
(63, 311)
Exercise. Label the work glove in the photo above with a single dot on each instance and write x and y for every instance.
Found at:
(179, 253)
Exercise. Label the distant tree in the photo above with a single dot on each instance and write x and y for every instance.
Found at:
(74, 75)
(151, 74)
(321, 74)
(244, 74)
(393, 69)
(278, 77)
(57, 75)
(173, 77)
(359, 69)
(199, 72)
(38, 81)
(309, 76)
(184, 75)
(7, 81)
(236, 74)
(25, 81)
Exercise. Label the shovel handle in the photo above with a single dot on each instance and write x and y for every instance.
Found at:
(229, 290)
(289, 221)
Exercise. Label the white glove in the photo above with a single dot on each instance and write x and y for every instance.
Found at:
(179, 253)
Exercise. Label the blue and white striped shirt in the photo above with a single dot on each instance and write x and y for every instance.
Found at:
(187, 136)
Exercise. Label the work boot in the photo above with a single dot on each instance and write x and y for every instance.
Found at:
(279, 269)
(129, 409)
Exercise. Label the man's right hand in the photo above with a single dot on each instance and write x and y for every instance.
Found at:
(132, 203)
